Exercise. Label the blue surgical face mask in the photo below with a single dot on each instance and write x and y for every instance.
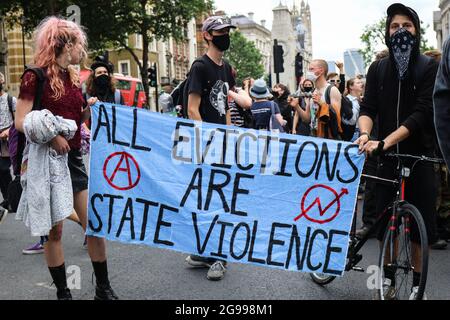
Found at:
(402, 43)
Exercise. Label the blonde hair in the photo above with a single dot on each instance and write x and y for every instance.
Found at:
(50, 39)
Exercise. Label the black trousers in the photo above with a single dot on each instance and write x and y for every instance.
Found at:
(5, 176)
(369, 216)
(420, 191)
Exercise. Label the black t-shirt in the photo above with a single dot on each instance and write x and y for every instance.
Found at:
(212, 82)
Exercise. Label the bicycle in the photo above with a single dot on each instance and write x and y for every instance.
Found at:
(396, 249)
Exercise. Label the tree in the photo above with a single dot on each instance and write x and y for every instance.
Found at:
(245, 58)
(109, 22)
(374, 36)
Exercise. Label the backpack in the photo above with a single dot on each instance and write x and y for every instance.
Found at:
(332, 125)
(274, 124)
(180, 96)
(17, 143)
(348, 131)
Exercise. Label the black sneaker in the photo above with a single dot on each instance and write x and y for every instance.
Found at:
(64, 294)
(104, 293)
(439, 245)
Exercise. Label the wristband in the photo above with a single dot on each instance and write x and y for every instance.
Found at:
(365, 134)
(380, 149)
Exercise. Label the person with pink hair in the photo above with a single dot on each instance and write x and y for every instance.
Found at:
(59, 45)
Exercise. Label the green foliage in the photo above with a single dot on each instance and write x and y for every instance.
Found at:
(109, 22)
(244, 57)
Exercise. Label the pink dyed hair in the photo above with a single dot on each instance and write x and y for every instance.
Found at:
(50, 38)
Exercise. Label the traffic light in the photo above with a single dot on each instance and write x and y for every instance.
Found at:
(153, 77)
(298, 66)
(278, 58)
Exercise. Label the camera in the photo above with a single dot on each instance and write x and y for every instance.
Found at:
(306, 95)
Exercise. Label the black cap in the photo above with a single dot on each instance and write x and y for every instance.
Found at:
(216, 23)
(98, 64)
(399, 8)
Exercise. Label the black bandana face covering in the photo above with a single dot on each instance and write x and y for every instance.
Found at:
(402, 44)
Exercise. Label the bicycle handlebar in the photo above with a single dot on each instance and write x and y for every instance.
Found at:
(417, 158)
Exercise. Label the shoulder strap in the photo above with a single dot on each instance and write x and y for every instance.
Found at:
(10, 104)
(117, 96)
(41, 78)
(328, 95)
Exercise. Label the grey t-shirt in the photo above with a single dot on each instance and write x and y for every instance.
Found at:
(6, 118)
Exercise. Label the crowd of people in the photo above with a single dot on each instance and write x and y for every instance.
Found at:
(390, 109)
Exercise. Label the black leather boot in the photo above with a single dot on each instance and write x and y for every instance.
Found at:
(60, 280)
(103, 290)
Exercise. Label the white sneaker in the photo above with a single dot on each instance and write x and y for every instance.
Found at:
(414, 294)
(389, 292)
(3, 214)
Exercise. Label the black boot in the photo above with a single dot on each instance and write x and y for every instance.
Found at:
(103, 290)
(59, 278)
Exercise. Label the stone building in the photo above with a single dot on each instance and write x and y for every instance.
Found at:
(442, 22)
(293, 31)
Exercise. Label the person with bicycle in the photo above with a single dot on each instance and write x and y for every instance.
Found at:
(399, 93)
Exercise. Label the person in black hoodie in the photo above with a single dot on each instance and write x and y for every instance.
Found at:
(281, 94)
(442, 103)
(399, 93)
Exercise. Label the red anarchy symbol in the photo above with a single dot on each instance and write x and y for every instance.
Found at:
(306, 212)
(124, 157)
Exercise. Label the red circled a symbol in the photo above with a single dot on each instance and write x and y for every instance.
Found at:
(306, 212)
(124, 157)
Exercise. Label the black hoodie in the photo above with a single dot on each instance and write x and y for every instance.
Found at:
(412, 101)
(442, 103)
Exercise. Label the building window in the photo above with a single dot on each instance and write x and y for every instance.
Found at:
(139, 41)
(124, 67)
(153, 46)
(139, 70)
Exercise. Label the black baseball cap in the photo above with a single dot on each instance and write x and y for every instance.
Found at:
(98, 64)
(216, 23)
(399, 8)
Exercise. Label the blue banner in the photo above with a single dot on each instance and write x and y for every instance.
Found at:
(245, 196)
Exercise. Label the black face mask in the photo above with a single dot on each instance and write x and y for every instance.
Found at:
(308, 89)
(1, 86)
(102, 82)
(222, 42)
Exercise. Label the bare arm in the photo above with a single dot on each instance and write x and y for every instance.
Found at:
(280, 119)
(294, 126)
(23, 108)
(305, 115)
(336, 99)
(228, 118)
(242, 99)
(194, 107)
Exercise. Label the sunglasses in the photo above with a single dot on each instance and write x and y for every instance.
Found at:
(334, 81)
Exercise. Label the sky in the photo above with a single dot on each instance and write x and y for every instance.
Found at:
(337, 25)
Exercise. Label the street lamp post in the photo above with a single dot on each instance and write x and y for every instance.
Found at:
(23, 41)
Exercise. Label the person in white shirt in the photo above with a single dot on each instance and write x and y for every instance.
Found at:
(355, 90)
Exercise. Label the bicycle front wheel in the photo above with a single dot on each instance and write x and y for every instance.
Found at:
(322, 279)
(404, 250)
